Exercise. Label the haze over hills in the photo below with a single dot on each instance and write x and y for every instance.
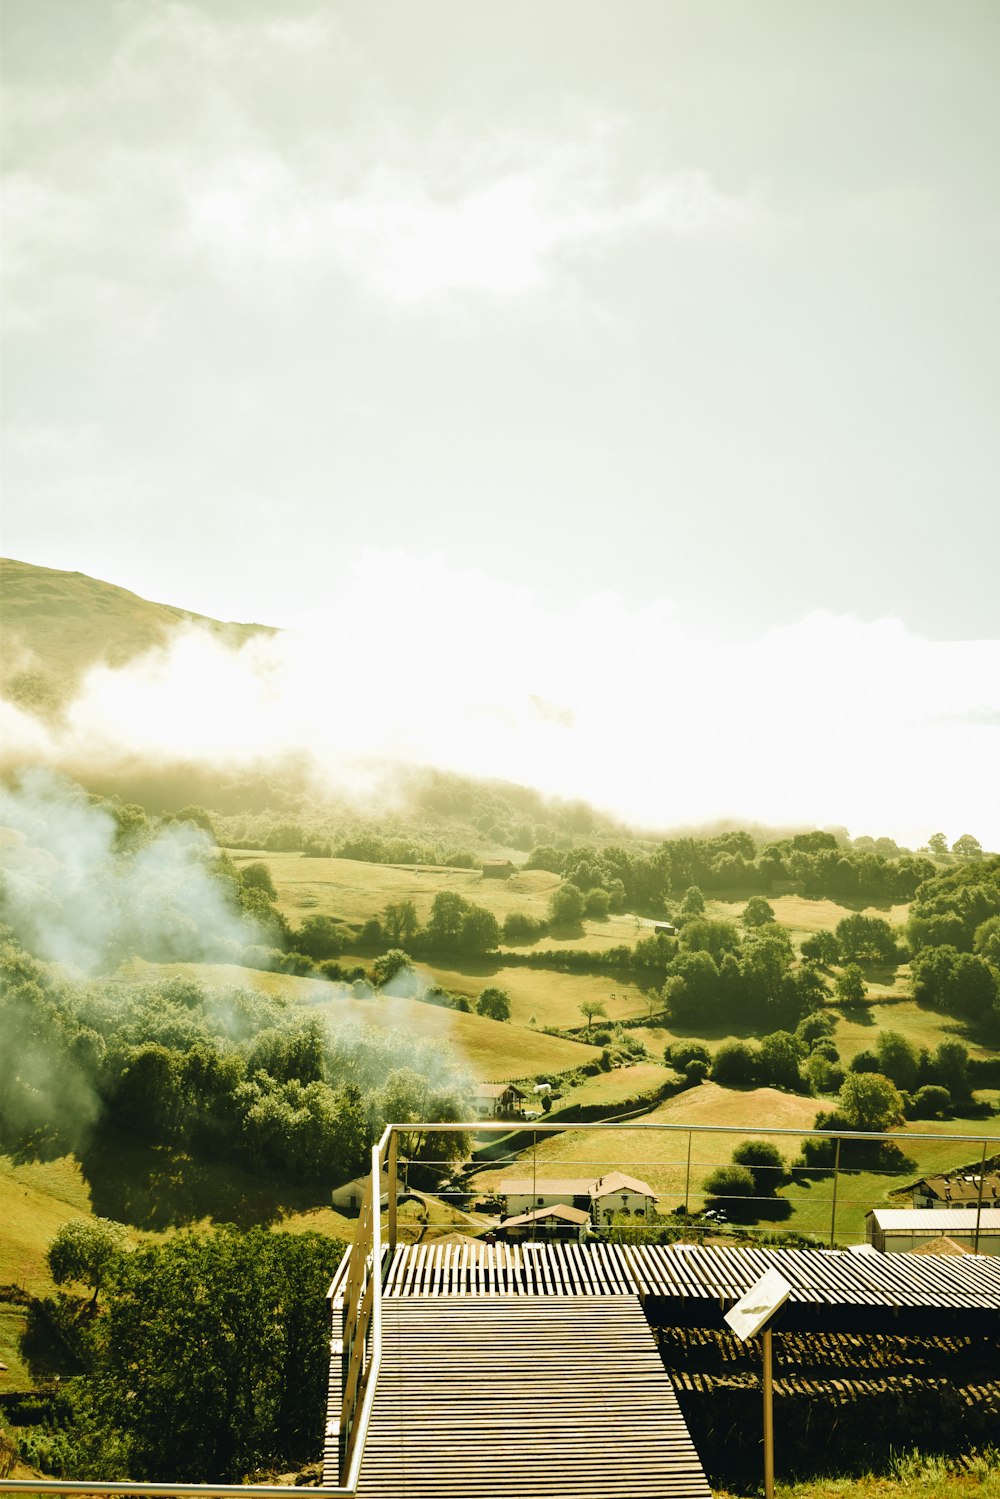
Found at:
(56, 625)
(405, 674)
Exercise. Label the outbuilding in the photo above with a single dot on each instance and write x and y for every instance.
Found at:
(901, 1230)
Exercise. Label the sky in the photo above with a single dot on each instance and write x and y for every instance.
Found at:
(572, 353)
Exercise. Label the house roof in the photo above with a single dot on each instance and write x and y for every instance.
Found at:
(936, 1220)
(574, 1186)
(617, 1181)
(526, 1186)
(943, 1245)
(961, 1188)
(561, 1211)
(495, 1090)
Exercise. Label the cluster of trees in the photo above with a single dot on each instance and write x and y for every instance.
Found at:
(720, 976)
(235, 1074)
(954, 931)
(808, 863)
(455, 925)
(801, 1061)
(208, 1361)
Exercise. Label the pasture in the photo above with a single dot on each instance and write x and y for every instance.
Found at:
(354, 891)
(541, 996)
(491, 1050)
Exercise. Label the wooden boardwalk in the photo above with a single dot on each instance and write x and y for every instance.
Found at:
(544, 1395)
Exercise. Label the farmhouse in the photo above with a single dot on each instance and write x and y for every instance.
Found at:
(498, 869)
(558, 1222)
(496, 1100)
(901, 1230)
(956, 1192)
(600, 1198)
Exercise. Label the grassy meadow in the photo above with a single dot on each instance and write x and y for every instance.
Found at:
(492, 1051)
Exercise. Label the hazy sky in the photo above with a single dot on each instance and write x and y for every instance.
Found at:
(685, 312)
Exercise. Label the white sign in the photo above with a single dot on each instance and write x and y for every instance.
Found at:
(756, 1308)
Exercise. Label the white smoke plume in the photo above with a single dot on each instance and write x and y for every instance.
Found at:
(73, 895)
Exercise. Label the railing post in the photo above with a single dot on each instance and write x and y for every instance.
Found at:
(687, 1178)
(391, 1162)
(534, 1180)
(833, 1213)
(979, 1201)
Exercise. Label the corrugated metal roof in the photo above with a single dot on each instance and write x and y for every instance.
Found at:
(936, 1220)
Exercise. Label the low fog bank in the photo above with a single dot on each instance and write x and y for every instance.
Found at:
(827, 722)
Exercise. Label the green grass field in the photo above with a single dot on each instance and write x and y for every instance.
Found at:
(540, 997)
(354, 891)
(491, 1050)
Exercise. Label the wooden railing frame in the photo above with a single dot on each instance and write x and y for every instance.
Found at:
(355, 1298)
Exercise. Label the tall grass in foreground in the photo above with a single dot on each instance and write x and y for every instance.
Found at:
(930, 1476)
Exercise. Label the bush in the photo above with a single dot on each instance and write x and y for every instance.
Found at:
(735, 1065)
(930, 1102)
(730, 1182)
(681, 1053)
(765, 1163)
(696, 1070)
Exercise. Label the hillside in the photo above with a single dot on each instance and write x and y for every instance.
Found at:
(58, 624)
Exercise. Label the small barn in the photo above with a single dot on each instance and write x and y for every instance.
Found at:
(347, 1199)
(902, 1230)
(498, 869)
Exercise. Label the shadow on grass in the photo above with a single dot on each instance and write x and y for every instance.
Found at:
(158, 1187)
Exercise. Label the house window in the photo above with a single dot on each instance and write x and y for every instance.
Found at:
(540, 1201)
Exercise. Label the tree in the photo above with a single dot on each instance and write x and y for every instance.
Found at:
(931, 1102)
(494, 1004)
(898, 1060)
(735, 1065)
(566, 905)
(823, 947)
(866, 937)
(591, 1009)
(215, 1353)
(693, 903)
(715, 937)
(967, 847)
(400, 922)
(85, 1249)
(257, 876)
(728, 1182)
(390, 966)
(949, 1066)
(869, 1101)
(986, 941)
(850, 985)
(480, 931)
(780, 1055)
(444, 929)
(757, 911)
(938, 844)
(597, 903)
(320, 937)
(682, 1053)
(765, 1163)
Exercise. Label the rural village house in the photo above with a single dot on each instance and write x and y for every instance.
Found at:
(347, 1199)
(600, 1198)
(558, 1222)
(498, 869)
(495, 1100)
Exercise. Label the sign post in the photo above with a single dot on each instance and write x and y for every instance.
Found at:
(753, 1314)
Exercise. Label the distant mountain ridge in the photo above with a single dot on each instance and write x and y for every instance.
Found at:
(55, 625)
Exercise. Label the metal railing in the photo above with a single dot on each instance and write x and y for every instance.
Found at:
(355, 1294)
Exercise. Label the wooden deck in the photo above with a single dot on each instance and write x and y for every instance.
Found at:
(542, 1395)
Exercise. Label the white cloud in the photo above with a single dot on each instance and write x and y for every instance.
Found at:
(826, 721)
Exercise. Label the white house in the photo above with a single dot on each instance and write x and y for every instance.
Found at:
(957, 1192)
(347, 1199)
(558, 1222)
(601, 1198)
(491, 1100)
